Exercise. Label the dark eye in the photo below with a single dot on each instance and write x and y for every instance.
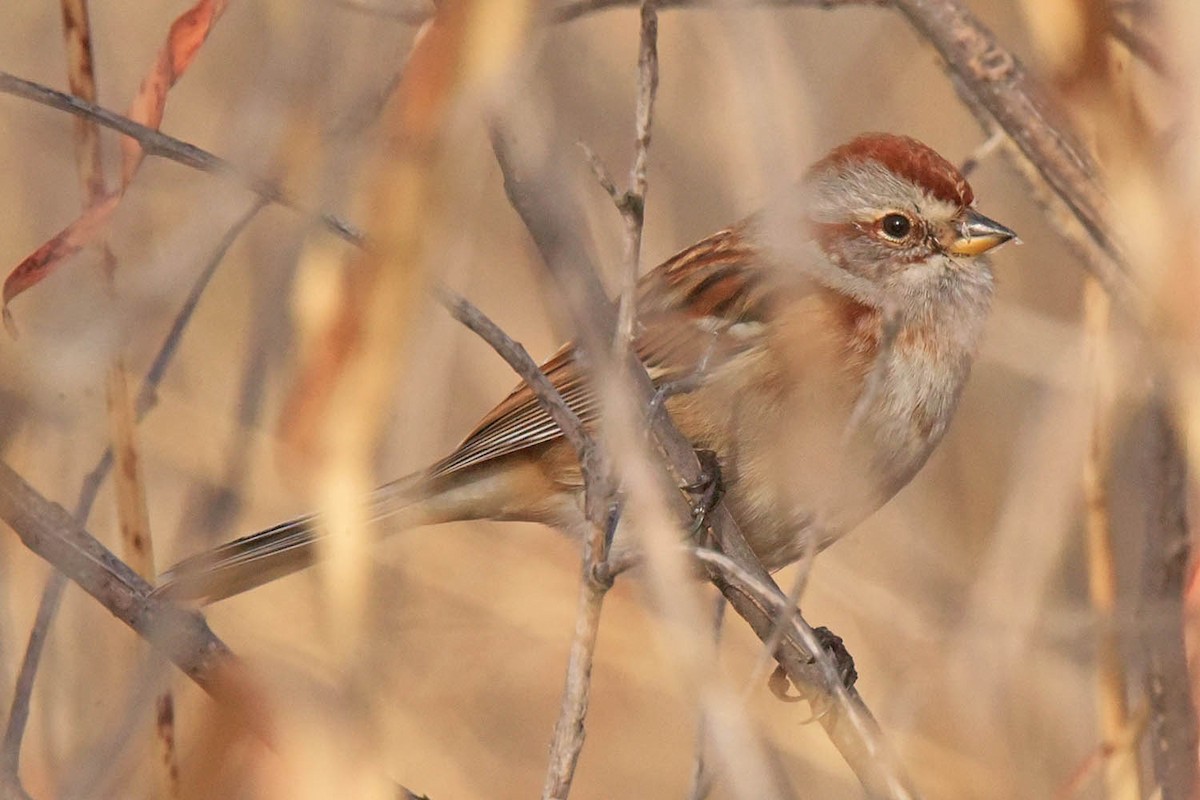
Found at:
(895, 226)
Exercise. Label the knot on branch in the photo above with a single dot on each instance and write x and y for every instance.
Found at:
(600, 575)
(633, 204)
(994, 63)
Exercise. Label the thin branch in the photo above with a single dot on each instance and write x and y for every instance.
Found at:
(49, 531)
(156, 143)
(633, 204)
(702, 781)
(601, 173)
(52, 593)
(522, 363)
(18, 715)
(1142, 47)
(567, 741)
(571, 10)
(985, 149)
(1171, 733)
(996, 86)
(574, 9)
(847, 721)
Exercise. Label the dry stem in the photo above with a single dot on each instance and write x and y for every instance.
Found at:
(156, 143)
(56, 583)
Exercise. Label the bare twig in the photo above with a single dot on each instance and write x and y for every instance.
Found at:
(1171, 726)
(847, 721)
(702, 781)
(574, 9)
(571, 10)
(633, 203)
(18, 715)
(567, 741)
(56, 583)
(601, 173)
(985, 149)
(995, 85)
(156, 143)
(49, 531)
(523, 364)
(1121, 766)
(1139, 45)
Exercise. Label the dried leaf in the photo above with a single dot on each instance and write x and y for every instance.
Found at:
(66, 243)
(187, 33)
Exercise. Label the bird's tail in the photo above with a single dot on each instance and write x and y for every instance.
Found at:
(251, 561)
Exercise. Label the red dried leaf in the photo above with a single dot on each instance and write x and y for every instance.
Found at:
(187, 33)
(69, 241)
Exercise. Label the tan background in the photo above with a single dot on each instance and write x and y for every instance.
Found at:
(963, 601)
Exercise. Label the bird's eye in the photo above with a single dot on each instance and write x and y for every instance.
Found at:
(895, 226)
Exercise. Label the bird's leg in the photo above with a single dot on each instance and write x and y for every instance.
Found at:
(708, 489)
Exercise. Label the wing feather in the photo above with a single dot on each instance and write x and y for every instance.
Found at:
(686, 307)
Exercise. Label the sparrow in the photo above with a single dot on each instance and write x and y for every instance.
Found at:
(817, 348)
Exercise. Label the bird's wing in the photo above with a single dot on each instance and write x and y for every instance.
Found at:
(696, 310)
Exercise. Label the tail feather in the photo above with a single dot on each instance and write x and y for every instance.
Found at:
(243, 564)
(251, 561)
(513, 489)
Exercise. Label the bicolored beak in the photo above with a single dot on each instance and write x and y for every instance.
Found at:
(977, 234)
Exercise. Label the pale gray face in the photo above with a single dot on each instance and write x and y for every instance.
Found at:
(877, 224)
(885, 219)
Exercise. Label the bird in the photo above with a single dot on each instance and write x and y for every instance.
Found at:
(817, 349)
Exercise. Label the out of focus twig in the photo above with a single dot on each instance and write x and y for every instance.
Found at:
(1171, 728)
(1121, 764)
(997, 87)
(632, 204)
(702, 780)
(570, 10)
(523, 364)
(57, 582)
(156, 143)
(574, 9)
(1142, 47)
(179, 634)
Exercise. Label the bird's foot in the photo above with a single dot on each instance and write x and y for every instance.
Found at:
(707, 489)
(833, 645)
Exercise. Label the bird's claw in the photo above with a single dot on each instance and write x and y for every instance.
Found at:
(780, 685)
(708, 489)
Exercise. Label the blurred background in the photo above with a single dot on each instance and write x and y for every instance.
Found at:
(964, 601)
